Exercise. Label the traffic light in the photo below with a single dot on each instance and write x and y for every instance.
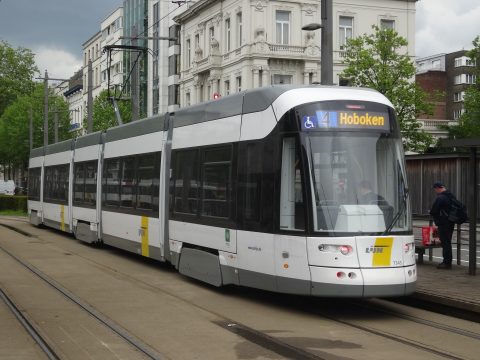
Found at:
(216, 96)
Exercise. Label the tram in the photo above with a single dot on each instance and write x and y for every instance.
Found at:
(290, 189)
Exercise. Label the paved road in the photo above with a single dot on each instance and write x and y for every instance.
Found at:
(183, 319)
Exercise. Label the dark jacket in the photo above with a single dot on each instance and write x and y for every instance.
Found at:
(441, 208)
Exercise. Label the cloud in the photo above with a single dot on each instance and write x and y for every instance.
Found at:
(445, 26)
(59, 63)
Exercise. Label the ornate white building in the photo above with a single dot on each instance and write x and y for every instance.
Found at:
(228, 46)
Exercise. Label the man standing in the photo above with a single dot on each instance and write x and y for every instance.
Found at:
(440, 210)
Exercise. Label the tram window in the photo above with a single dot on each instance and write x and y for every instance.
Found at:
(145, 177)
(292, 212)
(186, 182)
(85, 183)
(79, 183)
(128, 196)
(112, 188)
(56, 184)
(90, 196)
(253, 181)
(34, 183)
(216, 182)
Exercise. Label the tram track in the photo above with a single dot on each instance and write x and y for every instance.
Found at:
(29, 327)
(124, 334)
(418, 320)
(279, 346)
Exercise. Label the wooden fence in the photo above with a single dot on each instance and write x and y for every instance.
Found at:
(423, 170)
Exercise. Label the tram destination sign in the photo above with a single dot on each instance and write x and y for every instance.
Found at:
(346, 120)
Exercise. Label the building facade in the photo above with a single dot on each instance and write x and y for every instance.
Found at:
(112, 68)
(228, 46)
(448, 75)
(460, 76)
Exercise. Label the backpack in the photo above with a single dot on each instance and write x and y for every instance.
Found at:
(458, 212)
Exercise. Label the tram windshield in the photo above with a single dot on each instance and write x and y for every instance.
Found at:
(356, 167)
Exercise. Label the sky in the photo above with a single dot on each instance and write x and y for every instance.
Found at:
(56, 29)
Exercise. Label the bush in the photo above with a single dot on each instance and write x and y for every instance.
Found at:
(13, 203)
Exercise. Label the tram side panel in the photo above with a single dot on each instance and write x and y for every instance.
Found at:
(57, 179)
(130, 192)
(202, 204)
(35, 194)
(85, 196)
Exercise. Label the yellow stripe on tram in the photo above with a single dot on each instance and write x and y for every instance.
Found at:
(383, 251)
(145, 247)
(62, 217)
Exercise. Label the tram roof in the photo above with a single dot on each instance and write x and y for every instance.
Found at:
(89, 140)
(136, 128)
(248, 101)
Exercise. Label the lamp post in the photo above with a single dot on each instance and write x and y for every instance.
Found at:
(326, 42)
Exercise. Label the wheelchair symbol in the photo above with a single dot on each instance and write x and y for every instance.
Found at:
(308, 124)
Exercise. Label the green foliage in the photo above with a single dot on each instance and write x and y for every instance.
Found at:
(13, 203)
(17, 68)
(14, 125)
(376, 61)
(104, 113)
(469, 122)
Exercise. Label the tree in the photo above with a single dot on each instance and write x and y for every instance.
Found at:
(17, 68)
(469, 123)
(104, 114)
(14, 125)
(375, 61)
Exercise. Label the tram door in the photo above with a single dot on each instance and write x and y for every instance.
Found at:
(290, 248)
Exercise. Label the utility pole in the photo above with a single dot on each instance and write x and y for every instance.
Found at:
(327, 43)
(30, 129)
(90, 98)
(135, 81)
(326, 59)
(55, 123)
(45, 113)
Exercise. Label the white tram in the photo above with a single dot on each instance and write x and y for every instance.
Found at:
(290, 189)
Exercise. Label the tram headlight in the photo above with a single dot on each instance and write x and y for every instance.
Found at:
(345, 249)
(330, 248)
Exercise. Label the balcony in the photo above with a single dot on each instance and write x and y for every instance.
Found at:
(432, 126)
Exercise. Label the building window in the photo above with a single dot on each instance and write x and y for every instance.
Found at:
(187, 99)
(458, 96)
(227, 87)
(197, 41)
(239, 83)
(227, 35)
(282, 79)
(189, 51)
(345, 30)
(173, 94)
(465, 79)
(283, 27)
(211, 33)
(239, 29)
(436, 64)
(173, 33)
(387, 24)
(173, 65)
(156, 100)
(464, 61)
(457, 113)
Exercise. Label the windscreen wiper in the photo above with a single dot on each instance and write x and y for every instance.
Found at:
(400, 211)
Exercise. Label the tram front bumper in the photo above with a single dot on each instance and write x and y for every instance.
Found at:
(363, 282)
